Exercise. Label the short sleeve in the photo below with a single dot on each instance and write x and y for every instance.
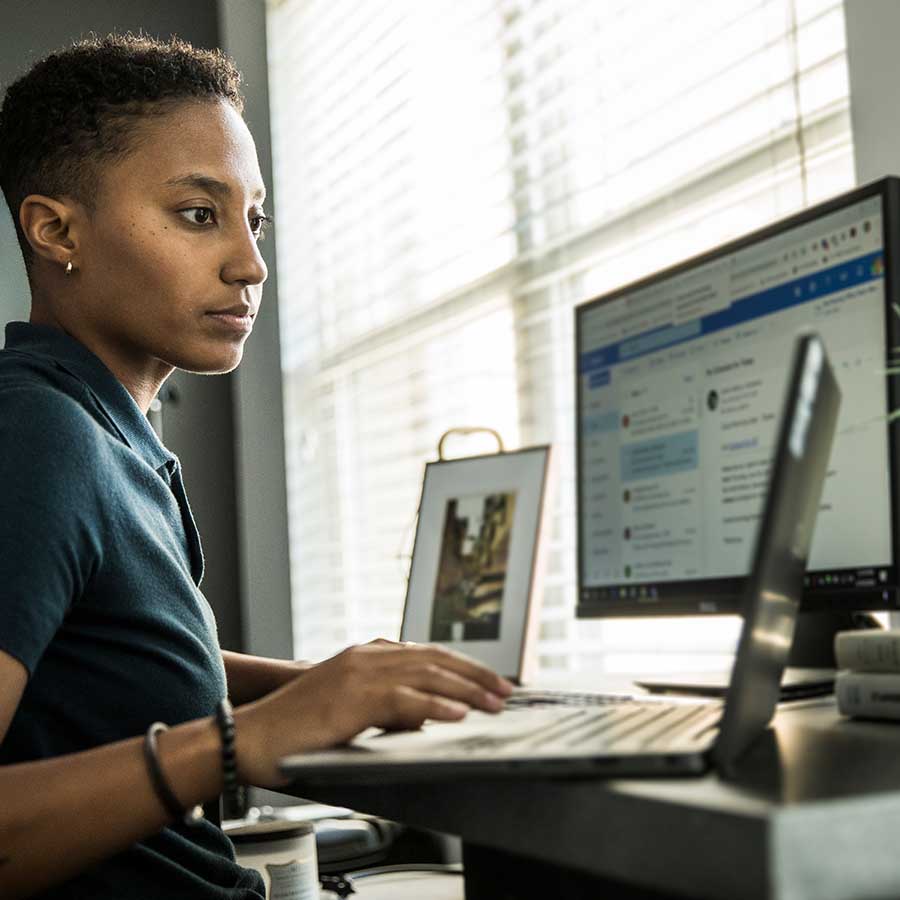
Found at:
(50, 514)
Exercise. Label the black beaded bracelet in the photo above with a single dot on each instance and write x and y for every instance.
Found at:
(231, 787)
(161, 787)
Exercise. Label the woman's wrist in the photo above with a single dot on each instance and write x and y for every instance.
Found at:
(251, 678)
(253, 748)
(160, 783)
(190, 757)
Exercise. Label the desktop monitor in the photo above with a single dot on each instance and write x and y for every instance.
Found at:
(680, 380)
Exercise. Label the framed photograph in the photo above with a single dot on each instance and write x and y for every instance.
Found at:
(477, 566)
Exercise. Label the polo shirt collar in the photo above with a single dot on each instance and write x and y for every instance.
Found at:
(119, 406)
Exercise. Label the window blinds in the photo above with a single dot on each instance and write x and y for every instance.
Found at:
(453, 177)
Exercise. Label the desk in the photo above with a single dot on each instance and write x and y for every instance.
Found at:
(813, 812)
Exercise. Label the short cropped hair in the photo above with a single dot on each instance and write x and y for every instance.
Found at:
(77, 108)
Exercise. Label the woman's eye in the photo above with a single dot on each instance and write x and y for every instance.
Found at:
(259, 224)
(198, 215)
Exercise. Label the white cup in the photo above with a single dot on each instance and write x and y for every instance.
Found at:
(284, 853)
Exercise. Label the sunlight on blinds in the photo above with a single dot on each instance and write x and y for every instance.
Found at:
(453, 177)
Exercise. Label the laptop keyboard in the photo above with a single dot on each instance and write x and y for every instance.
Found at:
(528, 697)
(609, 721)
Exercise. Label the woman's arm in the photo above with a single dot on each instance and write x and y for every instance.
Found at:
(252, 677)
(105, 795)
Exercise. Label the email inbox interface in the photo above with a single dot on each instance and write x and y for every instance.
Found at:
(681, 390)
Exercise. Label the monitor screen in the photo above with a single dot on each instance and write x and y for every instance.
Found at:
(680, 382)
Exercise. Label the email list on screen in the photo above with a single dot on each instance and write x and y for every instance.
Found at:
(680, 389)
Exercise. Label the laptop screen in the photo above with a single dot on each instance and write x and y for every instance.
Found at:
(782, 545)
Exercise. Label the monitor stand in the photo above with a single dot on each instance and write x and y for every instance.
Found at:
(811, 663)
(813, 645)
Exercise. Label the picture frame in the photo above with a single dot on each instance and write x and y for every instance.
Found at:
(476, 576)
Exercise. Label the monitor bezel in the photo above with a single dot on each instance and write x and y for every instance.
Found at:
(725, 595)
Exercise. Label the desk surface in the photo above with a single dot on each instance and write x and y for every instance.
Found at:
(812, 812)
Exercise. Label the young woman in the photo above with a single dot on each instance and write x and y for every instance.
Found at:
(138, 201)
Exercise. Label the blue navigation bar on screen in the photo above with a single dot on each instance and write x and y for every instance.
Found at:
(660, 337)
(792, 293)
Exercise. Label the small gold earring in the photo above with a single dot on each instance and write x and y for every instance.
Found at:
(69, 267)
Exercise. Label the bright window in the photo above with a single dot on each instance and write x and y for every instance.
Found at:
(453, 176)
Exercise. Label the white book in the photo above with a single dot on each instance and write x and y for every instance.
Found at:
(869, 695)
(875, 650)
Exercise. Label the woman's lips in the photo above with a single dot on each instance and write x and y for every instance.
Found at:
(234, 321)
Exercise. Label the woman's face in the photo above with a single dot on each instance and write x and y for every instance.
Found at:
(169, 272)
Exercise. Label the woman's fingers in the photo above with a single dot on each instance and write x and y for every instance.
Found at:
(393, 657)
(443, 682)
(462, 666)
(409, 708)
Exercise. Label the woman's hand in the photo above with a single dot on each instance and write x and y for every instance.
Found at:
(382, 684)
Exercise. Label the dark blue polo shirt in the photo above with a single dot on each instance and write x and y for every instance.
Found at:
(100, 563)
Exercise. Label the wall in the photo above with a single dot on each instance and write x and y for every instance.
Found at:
(259, 410)
(872, 29)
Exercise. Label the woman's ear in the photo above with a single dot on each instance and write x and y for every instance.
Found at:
(49, 227)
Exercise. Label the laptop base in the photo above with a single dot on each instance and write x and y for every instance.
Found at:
(796, 684)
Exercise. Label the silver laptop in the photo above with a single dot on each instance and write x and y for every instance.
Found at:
(617, 735)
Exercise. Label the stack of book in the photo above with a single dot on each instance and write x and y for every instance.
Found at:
(868, 683)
